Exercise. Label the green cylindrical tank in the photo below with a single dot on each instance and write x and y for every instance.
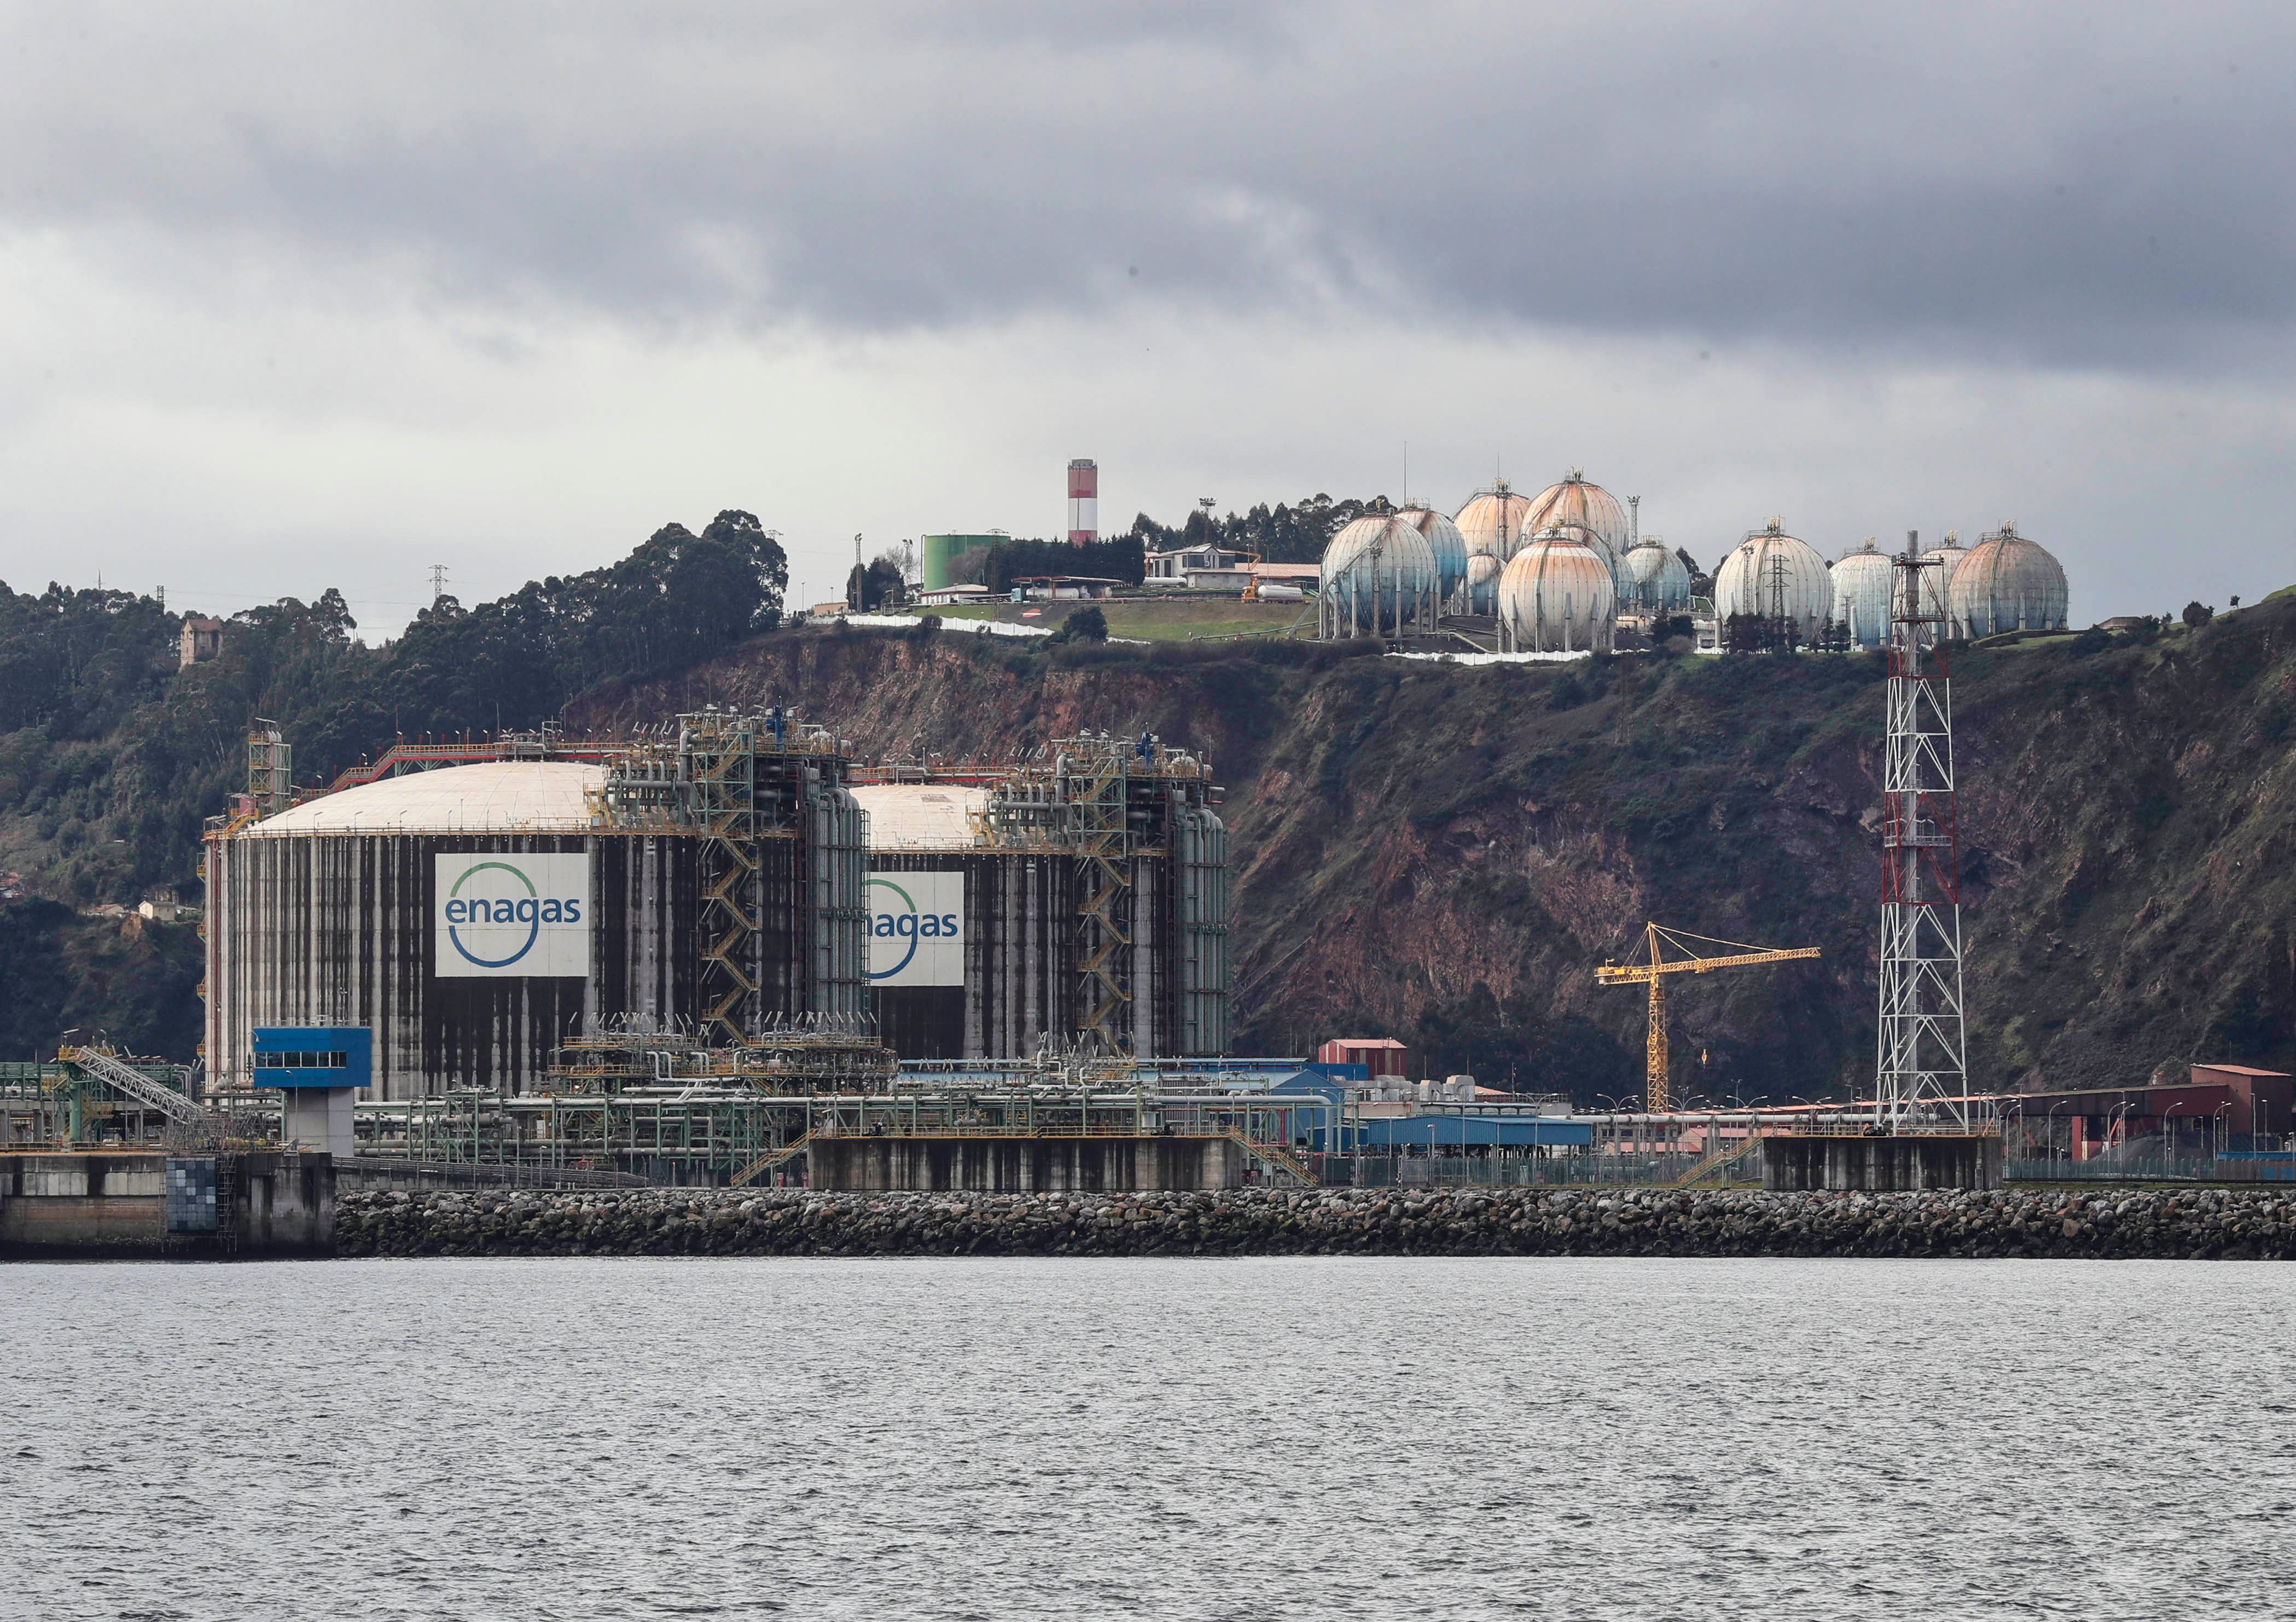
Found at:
(937, 552)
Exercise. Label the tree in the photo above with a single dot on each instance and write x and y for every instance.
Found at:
(1747, 633)
(879, 585)
(2195, 616)
(1087, 624)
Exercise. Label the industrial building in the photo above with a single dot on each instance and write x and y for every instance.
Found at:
(478, 908)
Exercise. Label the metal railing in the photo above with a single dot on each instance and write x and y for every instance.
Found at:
(2234, 1167)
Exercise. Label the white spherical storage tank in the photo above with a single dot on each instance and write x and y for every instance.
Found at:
(1557, 596)
(1862, 584)
(1492, 521)
(1575, 503)
(1937, 583)
(1660, 579)
(1379, 575)
(2006, 583)
(1773, 575)
(1448, 545)
(1483, 572)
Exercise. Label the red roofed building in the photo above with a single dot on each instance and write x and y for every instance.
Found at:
(1378, 1055)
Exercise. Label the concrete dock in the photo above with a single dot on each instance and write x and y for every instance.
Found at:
(75, 1206)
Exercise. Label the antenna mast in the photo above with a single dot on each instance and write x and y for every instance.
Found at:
(1922, 1070)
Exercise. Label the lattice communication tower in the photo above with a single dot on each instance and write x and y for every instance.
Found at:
(1921, 1080)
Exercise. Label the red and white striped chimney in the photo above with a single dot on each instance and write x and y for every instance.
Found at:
(1084, 501)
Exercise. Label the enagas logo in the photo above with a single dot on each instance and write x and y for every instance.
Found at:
(533, 909)
(916, 929)
(512, 915)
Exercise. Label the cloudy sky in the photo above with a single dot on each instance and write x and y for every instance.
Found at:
(294, 296)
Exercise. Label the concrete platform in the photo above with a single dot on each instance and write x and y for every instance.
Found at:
(78, 1206)
(1880, 1165)
(1023, 1164)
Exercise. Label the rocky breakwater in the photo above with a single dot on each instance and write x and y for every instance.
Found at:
(2158, 1223)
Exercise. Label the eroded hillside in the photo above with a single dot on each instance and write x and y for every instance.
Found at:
(1444, 854)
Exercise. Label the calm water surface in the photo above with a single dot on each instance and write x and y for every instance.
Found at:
(1310, 1438)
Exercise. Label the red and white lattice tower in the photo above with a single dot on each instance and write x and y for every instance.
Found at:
(1084, 501)
(1921, 1079)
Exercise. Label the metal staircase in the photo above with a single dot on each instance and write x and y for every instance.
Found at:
(772, 1159)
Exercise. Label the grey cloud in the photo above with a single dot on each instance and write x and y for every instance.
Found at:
(2106, 186)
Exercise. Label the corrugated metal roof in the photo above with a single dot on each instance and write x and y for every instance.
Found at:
(920, 816)
(490, 797)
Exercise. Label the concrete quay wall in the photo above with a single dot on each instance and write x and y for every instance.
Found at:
(70, 1206)
(2196, 1223)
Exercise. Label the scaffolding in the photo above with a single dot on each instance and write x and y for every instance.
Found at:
(1111, 806)
(270, 769)
(783, 857)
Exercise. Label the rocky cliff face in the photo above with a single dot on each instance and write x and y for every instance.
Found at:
(1445, 853)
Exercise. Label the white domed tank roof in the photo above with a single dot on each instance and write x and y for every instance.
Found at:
(490, 797)
(1862, 584)
(1557, 596)
(1445, 541)
(2006, 583)
(1588, 506)
(1377, 570)
(1770, 565)
(1492, 521)
(1573, 503)
(1660, 579)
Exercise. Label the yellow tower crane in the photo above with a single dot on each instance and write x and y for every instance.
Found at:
(1656, 965)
